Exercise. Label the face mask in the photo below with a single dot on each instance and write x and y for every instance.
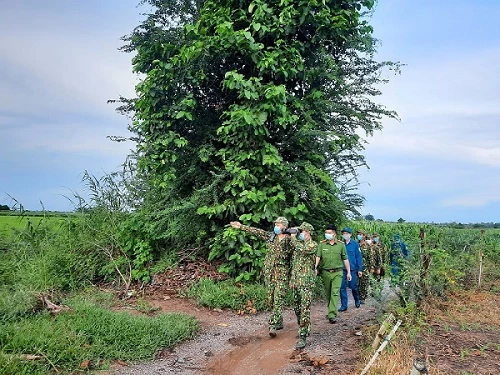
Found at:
(375, 239)
(329, 236)
(369, 242)
(302, 237)
(359, 237)
(346, 236)
(277, 230)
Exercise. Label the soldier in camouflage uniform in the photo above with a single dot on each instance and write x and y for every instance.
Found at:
(276, 268)
(367, 255)
(379, 256)
(302, 279)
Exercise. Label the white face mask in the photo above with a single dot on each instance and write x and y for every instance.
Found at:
(346, 236)
(369, 242)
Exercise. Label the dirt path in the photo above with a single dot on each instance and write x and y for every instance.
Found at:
(240, 345)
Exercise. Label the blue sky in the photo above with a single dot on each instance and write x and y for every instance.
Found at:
(59, 65)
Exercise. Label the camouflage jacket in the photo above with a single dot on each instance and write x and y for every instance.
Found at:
(381, 255)
(368, 256)
(303, 259)
(278, 251)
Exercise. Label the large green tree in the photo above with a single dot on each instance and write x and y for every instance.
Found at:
(253, 109)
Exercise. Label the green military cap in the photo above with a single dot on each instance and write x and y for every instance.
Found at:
(306, 226)
(282, 220)
(362, 232)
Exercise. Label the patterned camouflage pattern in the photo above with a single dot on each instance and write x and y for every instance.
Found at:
(302, 282)
(276, 272)
(380, 263)
(368, 263)
(381, 257)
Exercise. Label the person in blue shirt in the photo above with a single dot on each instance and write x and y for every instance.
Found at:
(398, 255)
(356, 265)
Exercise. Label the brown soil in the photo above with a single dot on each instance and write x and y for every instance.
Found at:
(465, 335)
(248, 349)
(463, 339)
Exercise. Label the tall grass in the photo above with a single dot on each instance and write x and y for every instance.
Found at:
(86, 332)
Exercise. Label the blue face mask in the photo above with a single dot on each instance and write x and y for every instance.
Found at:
(375, 239)
(277, 229)
(329, 236)
(302, 237)
(359, 237)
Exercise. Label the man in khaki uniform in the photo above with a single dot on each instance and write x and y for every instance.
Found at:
(331, 256)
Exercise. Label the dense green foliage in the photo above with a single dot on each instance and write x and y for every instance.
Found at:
(61, 255)
(250, 110)
(453, 256)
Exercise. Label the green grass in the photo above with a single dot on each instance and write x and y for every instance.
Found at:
(87, 332)
(227, 294)
(231, 295)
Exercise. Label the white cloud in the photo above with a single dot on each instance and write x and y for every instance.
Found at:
(478, 199)
(65, 137)
(62, 67)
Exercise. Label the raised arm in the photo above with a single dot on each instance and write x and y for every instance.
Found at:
(251, 230)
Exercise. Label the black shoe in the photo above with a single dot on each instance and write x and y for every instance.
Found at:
(342, 309)
(279, 326)
(332, 320)
(358, 304)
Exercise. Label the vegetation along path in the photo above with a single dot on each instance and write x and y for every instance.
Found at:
(234, 344)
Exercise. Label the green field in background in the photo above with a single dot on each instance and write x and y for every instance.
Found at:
(10, 223)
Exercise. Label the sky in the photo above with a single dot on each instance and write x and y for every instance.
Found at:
(59, 64)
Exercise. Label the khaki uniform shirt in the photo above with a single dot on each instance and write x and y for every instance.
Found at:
(332, 256)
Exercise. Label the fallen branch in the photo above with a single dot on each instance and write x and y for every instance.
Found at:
(52, 307)
(381, 348)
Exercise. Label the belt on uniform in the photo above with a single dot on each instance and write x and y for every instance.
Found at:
(334, 270)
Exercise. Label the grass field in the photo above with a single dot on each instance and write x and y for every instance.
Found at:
(10, 222)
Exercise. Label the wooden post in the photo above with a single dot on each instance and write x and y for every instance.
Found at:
(480, 259)
(382, 347)
(383, 328)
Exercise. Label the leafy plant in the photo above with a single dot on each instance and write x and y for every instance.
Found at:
(250, 109)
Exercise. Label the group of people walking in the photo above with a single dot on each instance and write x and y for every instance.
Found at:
(293, 260)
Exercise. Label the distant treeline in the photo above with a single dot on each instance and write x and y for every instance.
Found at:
(35, 213)
(485, 225)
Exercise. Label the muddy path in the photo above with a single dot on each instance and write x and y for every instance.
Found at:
(240, 345)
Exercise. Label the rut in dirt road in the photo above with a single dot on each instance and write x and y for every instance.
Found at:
(233, 345)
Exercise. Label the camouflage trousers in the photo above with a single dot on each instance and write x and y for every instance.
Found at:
(364, 285)
(370, 284)
(302, 299)
(277, 286)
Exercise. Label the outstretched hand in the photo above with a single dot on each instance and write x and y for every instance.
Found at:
(235, 224)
